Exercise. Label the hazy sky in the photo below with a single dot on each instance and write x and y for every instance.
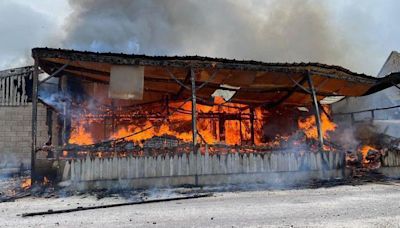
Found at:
(358, 35)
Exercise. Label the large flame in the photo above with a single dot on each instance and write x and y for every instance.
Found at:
(179, 125)
(79, 135)
(309, 127)
(236, 119)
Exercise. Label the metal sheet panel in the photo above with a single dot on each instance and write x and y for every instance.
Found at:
(126, 82)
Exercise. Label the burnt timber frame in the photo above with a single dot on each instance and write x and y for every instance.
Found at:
(312, 91)
(44, 56)
(35, 99)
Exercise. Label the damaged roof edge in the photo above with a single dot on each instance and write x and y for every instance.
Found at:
(390, 80)
(16, 71)
(202, 62)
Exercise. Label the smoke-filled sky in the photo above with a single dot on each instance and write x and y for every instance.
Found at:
(358, 35)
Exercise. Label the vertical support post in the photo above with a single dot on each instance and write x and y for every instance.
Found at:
(194, 123)
(194, 113)
(49, 123)
(113, 117)
(316, 109)
(35, 80)
(221, 127)
(240, 128)
(105, 135)
(167, 104)
(66, 110)
(252, 125)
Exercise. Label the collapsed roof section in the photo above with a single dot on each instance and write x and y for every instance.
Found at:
(254, 83)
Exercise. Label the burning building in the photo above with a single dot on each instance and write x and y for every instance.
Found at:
(151, 120)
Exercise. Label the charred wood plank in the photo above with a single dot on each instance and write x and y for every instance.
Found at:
(181, 89)
(49, 212)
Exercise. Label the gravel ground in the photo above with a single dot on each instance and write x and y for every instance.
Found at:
(368, 205)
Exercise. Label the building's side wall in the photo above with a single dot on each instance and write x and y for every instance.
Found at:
(16, 134)
(384, 121)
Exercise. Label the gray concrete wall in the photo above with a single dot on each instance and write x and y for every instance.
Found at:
(15, 134)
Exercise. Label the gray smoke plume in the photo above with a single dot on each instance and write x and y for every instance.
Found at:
(284, 31)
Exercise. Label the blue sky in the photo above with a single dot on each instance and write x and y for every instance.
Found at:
(360, 36)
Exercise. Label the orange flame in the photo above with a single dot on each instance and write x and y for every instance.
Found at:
(79, 135)
(179, 125)
(364, 151)
(26, 183)
(309, 127)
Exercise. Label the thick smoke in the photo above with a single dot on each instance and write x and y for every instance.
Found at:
(284, 31)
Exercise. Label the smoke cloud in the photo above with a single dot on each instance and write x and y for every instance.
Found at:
(281, 30)
(341, 32)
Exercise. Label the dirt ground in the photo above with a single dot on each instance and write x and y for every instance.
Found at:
(367, 205)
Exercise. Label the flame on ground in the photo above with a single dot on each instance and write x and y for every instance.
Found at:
(364, 151)
(26, 183)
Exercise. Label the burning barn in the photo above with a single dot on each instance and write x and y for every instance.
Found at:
(148, 121)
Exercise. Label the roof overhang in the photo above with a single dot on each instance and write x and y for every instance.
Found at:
(257, 83)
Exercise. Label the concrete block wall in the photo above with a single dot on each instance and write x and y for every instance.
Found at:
(16, 134)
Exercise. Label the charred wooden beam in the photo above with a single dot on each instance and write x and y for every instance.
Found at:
(50, 212)
(221, 127)
(254, 90)
(325, 112)
(289, 93)
(181, 89)
(252, 125)
(50, 65)
(54, 74)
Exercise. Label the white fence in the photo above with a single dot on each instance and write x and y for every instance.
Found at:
(186, 165)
